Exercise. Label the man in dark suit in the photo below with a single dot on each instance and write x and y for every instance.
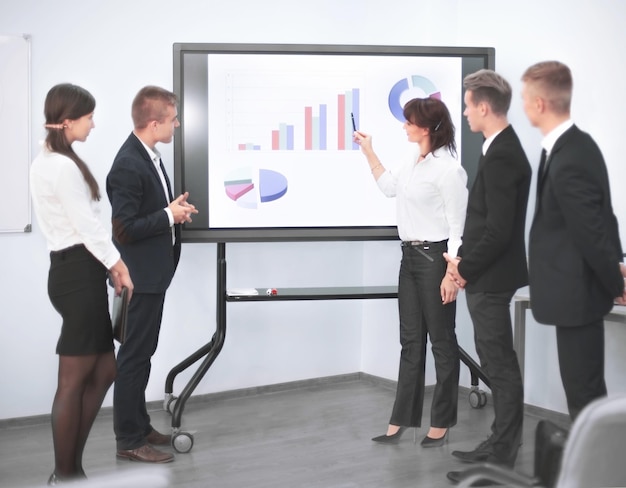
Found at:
(492, 260)
(575, 252)
(146, 230)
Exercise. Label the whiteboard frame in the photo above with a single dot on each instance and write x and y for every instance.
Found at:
(191, 144)
(15, 204)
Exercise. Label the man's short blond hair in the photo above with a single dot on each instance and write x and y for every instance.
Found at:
(488, 86)
(553, 82)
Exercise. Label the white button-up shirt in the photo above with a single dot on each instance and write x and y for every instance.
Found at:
(65, 210)
(431, 199)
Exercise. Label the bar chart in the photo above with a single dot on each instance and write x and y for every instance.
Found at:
(291, 113)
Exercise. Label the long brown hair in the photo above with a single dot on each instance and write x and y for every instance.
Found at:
(432, 114)
(66, 101)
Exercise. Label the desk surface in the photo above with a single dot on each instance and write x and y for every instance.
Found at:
(617, 314)
(315, 293)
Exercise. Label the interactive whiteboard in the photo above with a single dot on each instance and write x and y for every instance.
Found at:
(265, 147)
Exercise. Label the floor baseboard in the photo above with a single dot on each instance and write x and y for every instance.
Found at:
(539, 412)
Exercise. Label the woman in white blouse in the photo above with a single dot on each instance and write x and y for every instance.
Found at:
(431, 201)
(65, 196)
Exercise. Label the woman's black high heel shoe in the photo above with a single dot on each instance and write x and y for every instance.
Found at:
(430, 442)
(53, 480)
(390, 439)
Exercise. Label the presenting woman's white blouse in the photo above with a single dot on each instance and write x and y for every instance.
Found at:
(431, 199)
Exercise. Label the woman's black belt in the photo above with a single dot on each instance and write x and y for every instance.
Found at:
(423, 244)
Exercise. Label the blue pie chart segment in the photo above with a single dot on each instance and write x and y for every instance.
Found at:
(420, 85)
(272, 185)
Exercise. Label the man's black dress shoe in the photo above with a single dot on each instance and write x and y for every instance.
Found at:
(482, 453)
(457, 476)
(390, 439)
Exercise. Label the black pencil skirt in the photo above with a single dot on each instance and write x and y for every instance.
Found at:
(77, 288)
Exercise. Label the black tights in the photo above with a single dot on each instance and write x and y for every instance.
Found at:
(83, 383)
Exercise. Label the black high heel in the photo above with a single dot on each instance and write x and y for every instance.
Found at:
(390, 439)
(430, 442)
(53, 480)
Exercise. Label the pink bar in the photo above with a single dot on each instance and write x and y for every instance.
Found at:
(275, 140)
(341, 122)
(308, 128)
(242, 147)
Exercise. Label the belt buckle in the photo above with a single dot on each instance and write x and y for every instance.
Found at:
(424, 244)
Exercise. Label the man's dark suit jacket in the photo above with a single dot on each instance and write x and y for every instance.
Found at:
(574, 245)
(493, 254)
(141, 229)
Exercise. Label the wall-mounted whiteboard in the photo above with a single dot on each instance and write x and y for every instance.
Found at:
(14, 133)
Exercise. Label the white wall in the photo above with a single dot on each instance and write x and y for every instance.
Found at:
(114, 47)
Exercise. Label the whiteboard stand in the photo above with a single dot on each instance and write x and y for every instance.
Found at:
(182, 441)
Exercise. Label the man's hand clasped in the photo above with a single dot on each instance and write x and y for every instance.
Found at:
(452, 272)
(182, 209)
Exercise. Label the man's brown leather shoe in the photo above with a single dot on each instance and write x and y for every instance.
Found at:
(157, 439)
(145, 454)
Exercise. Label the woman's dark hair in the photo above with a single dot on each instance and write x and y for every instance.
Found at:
(68, 102)
(432, 114)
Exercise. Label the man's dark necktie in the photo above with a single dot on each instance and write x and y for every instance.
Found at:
(541, 172)
(167, 182)
(542, 162)
(175, 228)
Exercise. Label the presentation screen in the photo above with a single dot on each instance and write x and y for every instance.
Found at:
(266, 146)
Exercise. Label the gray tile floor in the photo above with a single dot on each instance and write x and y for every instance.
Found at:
(314, 436)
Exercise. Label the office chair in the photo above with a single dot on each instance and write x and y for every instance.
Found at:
(594, 452)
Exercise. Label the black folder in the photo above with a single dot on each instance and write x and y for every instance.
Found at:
(120, 315)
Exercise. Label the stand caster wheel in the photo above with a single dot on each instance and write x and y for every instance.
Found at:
(170, 404)
(483, 399)
(477, 398)
(182, 442)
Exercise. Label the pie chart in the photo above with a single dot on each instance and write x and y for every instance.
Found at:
(251, 187)
(417, 87)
